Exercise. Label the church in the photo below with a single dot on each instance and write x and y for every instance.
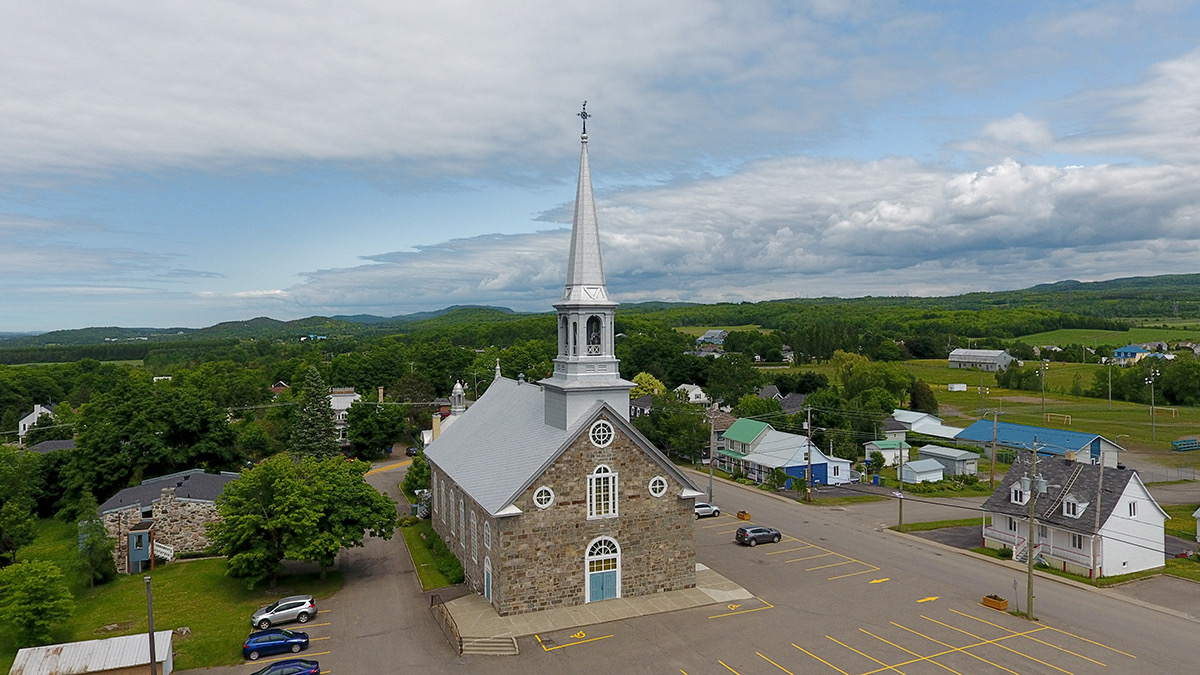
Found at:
(545, 491)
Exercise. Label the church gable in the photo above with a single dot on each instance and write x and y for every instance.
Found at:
(603, 485)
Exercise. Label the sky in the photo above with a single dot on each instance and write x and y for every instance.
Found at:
(179, 164)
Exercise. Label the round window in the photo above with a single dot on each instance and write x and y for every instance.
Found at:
(658, 486)
(543, 497)
(601, 434)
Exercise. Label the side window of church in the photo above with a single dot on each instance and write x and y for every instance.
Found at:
(602, 493)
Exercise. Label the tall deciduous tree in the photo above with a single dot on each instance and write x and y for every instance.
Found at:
(307, 511)
(33, 598)
(313, 434)
(646, 384)
(373, 428)
(731, 377)
(18, 486)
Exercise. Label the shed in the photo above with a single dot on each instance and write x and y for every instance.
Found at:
(125, 655)
(922, 471)
(954, 462)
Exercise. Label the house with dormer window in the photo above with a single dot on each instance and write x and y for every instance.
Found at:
(545, 491)
(1090, 520)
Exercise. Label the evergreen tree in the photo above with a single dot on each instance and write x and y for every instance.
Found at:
(313, 433)
(95, 546)
(921, 398)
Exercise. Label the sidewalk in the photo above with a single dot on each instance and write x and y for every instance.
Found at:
(477, 619)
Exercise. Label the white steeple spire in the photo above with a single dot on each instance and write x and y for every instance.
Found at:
(585, 369)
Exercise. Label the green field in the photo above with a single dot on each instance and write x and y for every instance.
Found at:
(1188, 331)
(191, 593)
(1128, 421)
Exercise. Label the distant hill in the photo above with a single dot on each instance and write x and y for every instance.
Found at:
(1165, 296)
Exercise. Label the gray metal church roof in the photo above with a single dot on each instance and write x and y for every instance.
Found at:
(502, 443)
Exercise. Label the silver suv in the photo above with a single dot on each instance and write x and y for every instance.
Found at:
(292, 608)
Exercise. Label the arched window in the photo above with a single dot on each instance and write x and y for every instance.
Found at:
(487, 535)
(462, 523)
(602, 493)
(603, 564)
(474, 539)
(574, 338)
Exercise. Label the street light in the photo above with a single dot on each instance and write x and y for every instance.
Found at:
(1042, 367)
(1154, 373)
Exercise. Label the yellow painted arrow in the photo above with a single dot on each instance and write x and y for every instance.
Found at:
(932, 597)
(880, 581)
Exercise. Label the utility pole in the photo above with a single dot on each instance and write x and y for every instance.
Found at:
(808, 454)
(900, 498)
(995, 430)
(150, 621)
(1150, 381)
(1037, 485)
(1110, 383)
(712, 451)
(1042, 371)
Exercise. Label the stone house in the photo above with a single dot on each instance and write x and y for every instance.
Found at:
(162, 517)
(545, 492)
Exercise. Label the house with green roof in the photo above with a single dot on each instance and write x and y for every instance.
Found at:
(889, 449)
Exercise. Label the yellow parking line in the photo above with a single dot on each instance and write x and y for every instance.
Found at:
(911, 653)
(819, 659)
(997, 642)
(836, 564)
(728, 668)
(819, 555)
(1061, 649)
(952, 649)
(320, 638)
(288, 656)
(775, 664)
(744, 611)
(569, 644)
(313, 625)
(324, 611)
(791, 550)
(853, 574)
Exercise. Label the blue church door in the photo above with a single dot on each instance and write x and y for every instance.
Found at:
(603, 570)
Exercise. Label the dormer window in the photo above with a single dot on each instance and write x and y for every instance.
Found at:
(1072, 508)
(1019, 496)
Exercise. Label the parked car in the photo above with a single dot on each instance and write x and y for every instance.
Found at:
(705, 509)
(273, 641)
(756, 534)
(411, 451)
(292, 608)
(291, 667)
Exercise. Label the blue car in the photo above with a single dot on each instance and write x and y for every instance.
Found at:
(274, 641)
(291, 667)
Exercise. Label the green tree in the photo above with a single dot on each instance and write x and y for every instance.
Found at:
(751, 405)
(19, 484)
(417, 476)
(675, 426)
(373, 428)
(921, 398)
(56, 427)
(33, 599)
(313, 433)
(349, 509)
(95, 553)
(731, 377)
(646, 384)
(264, 514)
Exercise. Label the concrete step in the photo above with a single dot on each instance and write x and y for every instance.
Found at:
(491, 646)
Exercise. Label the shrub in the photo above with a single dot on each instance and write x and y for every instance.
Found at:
(447, 563)
(1006, 553)
(409, 521)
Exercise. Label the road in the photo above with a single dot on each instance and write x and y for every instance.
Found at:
(840, 594)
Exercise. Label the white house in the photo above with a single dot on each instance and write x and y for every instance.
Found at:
(31, 419)
(1094, 521)
(990, 360)
(340, 399)
(925, 424)
(693, 394)
(920, 471)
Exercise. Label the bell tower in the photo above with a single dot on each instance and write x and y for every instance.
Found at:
(586, 368)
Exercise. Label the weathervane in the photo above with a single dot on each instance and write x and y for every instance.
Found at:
(584, 115)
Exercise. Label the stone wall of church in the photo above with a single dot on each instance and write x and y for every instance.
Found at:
(539, 557)
(179, 523)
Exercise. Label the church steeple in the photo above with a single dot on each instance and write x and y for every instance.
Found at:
(585, 369)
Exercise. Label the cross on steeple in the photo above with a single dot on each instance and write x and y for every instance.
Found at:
(584, 114)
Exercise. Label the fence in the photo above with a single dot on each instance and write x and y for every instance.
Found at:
(1163, 474)
(446, 622)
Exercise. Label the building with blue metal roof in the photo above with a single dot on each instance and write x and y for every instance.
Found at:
(1081, 446)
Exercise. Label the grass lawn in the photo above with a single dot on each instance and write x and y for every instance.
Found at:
(415, 537)
(1181, 524)
(939, 524)
(192, 593)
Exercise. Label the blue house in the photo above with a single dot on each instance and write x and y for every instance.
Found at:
(1080, 446)
(772, 449)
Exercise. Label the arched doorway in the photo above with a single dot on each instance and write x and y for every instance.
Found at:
(603, 566)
